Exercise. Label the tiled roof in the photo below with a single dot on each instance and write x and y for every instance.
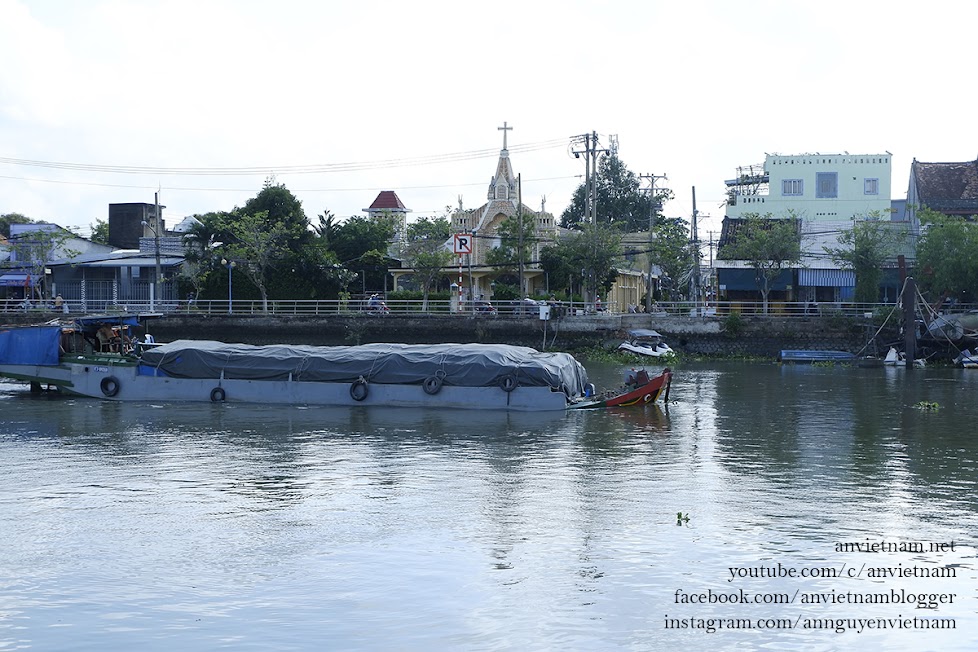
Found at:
(947, 185)
(387, 200)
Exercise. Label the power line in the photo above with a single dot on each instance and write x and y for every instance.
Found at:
(198, 189)
(320, 168)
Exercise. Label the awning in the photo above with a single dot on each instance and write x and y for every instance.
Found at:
(827, 278)
(745, 279)
(15, 280)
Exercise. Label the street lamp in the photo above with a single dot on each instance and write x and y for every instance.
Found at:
(156, 282)
(230, 264)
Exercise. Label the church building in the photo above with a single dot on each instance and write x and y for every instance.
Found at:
(503, 201)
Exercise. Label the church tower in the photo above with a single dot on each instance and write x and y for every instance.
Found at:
(503, 201)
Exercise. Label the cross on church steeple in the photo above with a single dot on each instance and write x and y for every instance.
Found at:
(504, 129)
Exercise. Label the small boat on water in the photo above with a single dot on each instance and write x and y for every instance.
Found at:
(896, 358)
(644, 341)
(967, 359)
(810, 356)
(639, 389)
(457, 376)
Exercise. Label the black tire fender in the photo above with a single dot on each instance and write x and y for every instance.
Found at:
(508, 383)
(432, 385)
(110, 386)
(359, 390)
(218, 395)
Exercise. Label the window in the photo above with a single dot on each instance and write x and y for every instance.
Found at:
(826, 185)
(792, 187)
(871, 186)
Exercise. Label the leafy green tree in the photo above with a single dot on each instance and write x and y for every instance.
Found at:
(517, 235)
(281, 207)
(359, 236)
(436, 229)
(326, 227)
(767, 245)
(258, 244)
(670, 247)
(425, 252)
(100, 231)
(591, 255)
(947, 256)
(35, 248)
(429, 264)
(620, 200)
(555, 260)
(865, 248)
(206, 234)
(12, 218)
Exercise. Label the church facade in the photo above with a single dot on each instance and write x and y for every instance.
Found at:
(503, 201)
(471, 275)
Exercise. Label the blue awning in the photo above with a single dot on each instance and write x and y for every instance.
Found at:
(15, 280)
(745, 279)
(827, 278)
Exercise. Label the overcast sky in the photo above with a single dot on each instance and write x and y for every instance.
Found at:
(341, 100)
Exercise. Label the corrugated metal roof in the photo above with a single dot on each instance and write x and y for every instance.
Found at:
(165, 261)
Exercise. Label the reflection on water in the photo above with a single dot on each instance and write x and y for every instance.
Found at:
(199, 526)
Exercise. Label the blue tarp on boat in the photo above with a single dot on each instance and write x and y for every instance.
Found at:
(34, 345)
(463, 365)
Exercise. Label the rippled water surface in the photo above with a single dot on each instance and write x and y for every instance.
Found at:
(202, 527)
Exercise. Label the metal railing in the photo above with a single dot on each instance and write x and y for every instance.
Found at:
(501, 309)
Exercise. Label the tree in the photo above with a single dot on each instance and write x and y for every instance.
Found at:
(670, 248)
(358, 236)
(865, 248)
(199, 243)
(516, 234)
(257, 245)
(556, 262)
(12, 218)
(767, 245)
(35, 248)
(590, 254)
(429, 265)
(620, 200)
(426, 253)
(947, 256)
(281, 207)
(437, 229)
(100, 231)
(327, 226)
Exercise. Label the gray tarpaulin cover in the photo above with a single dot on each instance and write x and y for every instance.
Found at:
(472, 365)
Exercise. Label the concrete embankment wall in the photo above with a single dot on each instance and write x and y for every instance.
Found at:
(703, 336)
(759, 337)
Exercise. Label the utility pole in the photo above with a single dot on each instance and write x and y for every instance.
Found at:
(654, 205)
(591, 152)
(586, 139)
(156, 233)
(694, 279)
(519, 209)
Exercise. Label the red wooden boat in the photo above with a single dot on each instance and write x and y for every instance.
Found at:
(639, 390)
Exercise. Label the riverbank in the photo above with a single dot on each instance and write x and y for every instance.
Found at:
(750, 337)
(747, 337)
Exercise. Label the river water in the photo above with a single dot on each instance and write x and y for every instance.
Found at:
(204, 527)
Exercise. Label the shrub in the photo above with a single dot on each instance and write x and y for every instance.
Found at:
(733, 324)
